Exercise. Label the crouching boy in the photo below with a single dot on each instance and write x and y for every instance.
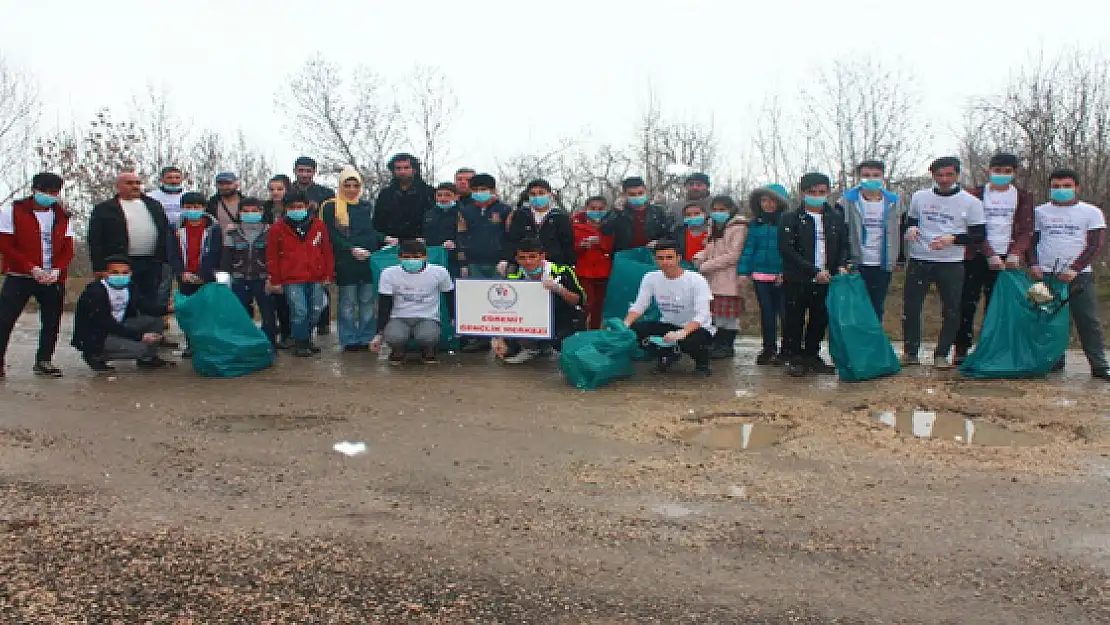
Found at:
(683, 299)
(112, 323)
(244, 257)
(409, 297)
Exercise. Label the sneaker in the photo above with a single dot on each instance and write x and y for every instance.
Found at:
(97, 364)
(1101, 374)
(44, 368)
(312, 347)
(796, 368)
(665, 363)
(765, 358)
(702, 370)
(154, 362)
(941, 362)
(818, 365)
(301, 349)
(722, 352)
(323, 330)
(1058, 366)
(779, 360)
(397, 358)
(910, 360)
(429, 357)
(522, 356)
(356, 348)
(286, 343)
(959, 355)
(474, 347)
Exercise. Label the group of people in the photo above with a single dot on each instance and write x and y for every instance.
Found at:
(282, 254)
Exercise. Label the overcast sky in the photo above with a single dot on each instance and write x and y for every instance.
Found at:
(526, 73)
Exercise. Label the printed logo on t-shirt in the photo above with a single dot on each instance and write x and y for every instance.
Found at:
(1062, 226)
(937, 215)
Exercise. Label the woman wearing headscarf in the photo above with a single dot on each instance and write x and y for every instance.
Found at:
(353, 238)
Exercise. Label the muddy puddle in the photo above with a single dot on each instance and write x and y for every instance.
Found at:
(736, 436)
(952, 427)
(984, 390)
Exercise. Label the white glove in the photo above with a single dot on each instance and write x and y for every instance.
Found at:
(503, 267)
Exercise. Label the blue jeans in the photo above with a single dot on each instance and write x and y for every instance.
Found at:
(248, 290)
(877, 281)
(356, 314)
(306, 302)
(772, 305)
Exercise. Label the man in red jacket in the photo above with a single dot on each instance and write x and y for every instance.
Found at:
(36, 242)
(593, 246)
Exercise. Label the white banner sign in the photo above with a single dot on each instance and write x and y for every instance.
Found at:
(507, 308)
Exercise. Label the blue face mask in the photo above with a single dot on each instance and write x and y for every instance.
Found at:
(413, 265)
(696, 221)
(252, 217)
(596, 215)
(871, 184)
(658, 340)
(45, 199)
(297, 215)
(637, 201)
(719, 217)
(446, 205)
(540, 201)
(1061, 196)
(481, 197)
(1001, 180)
(118, 281)
(192, 214)
(172, 188)
(816, 201)
(534, 272)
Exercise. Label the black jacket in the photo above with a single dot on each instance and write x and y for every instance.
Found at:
(400, 213)
(107, 234)
(441, 226)
(658, 225)
(796, 244)
(93, 321)
(555, 234)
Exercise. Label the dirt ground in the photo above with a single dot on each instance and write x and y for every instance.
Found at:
(491, 494)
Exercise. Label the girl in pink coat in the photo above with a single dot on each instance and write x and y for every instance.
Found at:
(717, 263)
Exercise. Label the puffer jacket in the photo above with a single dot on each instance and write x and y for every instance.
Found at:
(761, 246)
(718, 261)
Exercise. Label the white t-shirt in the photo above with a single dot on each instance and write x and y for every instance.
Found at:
(142, 233)
(171, 202)
(415, 295)
(680, 301)
(999, 208)
(819, 256)
(1063, 232)
(873, 227)
(118, 299)
(46, 233)
(940, 216)
(539, 217)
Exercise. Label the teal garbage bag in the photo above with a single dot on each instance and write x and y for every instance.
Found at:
(225, 341)
(1020, 339)
(594, 358)
(859, 347)
(387, 257)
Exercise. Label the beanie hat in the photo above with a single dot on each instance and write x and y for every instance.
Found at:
(813, 179)
(779, 190)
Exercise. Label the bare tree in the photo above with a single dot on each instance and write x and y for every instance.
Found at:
(516, 171)
(166, 134)
(431, 109)
(210, 155)
(19, 116)
(862, 108)
(782, 143)
(662, 144)
(343, 120)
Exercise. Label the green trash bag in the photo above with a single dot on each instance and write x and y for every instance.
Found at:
(225, 341)
(1020, 339)
(859, 347)
(595, 358)
(387, 257)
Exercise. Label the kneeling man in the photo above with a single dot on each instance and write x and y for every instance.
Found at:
(408, 304)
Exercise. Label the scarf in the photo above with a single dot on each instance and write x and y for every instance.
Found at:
(342, 217)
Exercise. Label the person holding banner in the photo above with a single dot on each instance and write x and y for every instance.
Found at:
(408, 304)
(683, 298)
(569, 298)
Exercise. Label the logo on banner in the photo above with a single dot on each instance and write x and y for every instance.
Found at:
(502, 296)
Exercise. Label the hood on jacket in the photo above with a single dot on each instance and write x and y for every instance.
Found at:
(754, 201)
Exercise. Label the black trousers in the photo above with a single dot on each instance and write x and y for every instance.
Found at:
(146, 277)
(17, 290)
(696, 345)
(806, 318)
(281, 308)
(979, 280)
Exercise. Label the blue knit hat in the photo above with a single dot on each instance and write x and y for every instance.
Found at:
(779, 190)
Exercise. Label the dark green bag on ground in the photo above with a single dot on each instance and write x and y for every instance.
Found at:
(859, 347)
(1019, 339)
(225, 341)
(595, 358)
(387, 257)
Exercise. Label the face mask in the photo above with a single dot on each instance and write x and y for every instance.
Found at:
(481, 197)
(815, 201)
(695, 221)
(118, 282)
(637, 201)
(540, 201)
(412, 265)
(297, 215)
(446, 205)
(658, 340)
(719, 217)
(871, 184)
(45, 199)
(1061, 196)
(192, 214)
(172, 188)
(595, 215)
(1001, 180)
(251, 218)
(534, 272)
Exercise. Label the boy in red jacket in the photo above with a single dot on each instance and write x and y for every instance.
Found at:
(593, 245)
(36, 242)
(299, 259)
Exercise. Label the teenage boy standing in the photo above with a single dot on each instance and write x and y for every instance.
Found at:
(874, 217)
